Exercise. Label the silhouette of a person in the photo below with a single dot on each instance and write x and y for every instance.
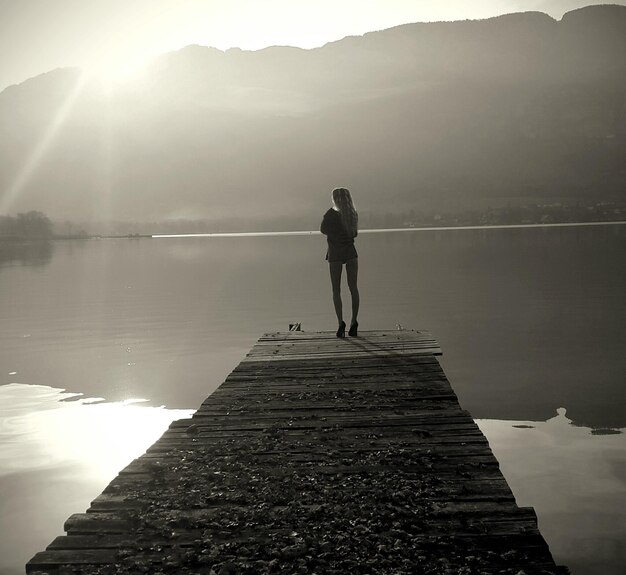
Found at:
(340, 225)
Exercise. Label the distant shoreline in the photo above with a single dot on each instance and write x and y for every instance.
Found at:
(382, 230)
(16, 239)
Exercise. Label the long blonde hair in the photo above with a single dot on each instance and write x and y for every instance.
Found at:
(349, 216)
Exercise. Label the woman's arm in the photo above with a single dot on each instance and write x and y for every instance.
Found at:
(326, 226)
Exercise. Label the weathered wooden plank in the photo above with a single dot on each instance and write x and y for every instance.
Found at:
(254, 390)
(496, 518)
(318, 451)
(399, 362)
(299, 404)
(396, 414)
(443, 438)
(348, 348)
(53, 559)
(364, 338)
(106, 501)
(187, 537)
(305, 355)
(86, 542)
(442, 469)
(396, 364)
(105, 522)
(328, 335)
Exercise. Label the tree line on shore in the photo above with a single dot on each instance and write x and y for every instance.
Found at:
(35, 225)
(31, 225)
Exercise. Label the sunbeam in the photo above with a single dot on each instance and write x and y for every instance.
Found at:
(34, 159)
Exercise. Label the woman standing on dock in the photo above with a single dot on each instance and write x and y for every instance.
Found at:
(340, 225)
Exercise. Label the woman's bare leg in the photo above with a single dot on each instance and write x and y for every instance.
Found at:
(352, 272)
(335, 280)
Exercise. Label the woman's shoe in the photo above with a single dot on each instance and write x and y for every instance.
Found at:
(341, 332)
(353, 329)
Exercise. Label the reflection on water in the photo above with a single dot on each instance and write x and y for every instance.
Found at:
(528, 319)
(35, 253)
(576, 481)
(57, 452)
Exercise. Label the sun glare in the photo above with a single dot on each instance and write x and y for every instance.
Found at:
(115, 70)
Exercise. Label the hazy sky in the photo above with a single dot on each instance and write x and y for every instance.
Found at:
(40, 35)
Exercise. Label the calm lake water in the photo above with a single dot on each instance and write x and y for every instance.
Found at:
(531, 323)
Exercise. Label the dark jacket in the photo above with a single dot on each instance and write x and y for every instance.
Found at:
(340, 242)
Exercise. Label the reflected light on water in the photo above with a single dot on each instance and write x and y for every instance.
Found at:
(575, 478)
(58, 451)
(43, 427)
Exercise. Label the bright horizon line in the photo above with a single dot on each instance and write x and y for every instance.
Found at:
(381, 230)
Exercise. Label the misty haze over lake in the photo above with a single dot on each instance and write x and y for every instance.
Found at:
(436, 116)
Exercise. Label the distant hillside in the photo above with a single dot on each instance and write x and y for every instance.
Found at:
(426, 116)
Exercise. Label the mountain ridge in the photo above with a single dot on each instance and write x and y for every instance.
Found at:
(425, 116)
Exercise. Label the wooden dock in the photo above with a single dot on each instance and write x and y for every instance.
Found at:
(316, 455)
